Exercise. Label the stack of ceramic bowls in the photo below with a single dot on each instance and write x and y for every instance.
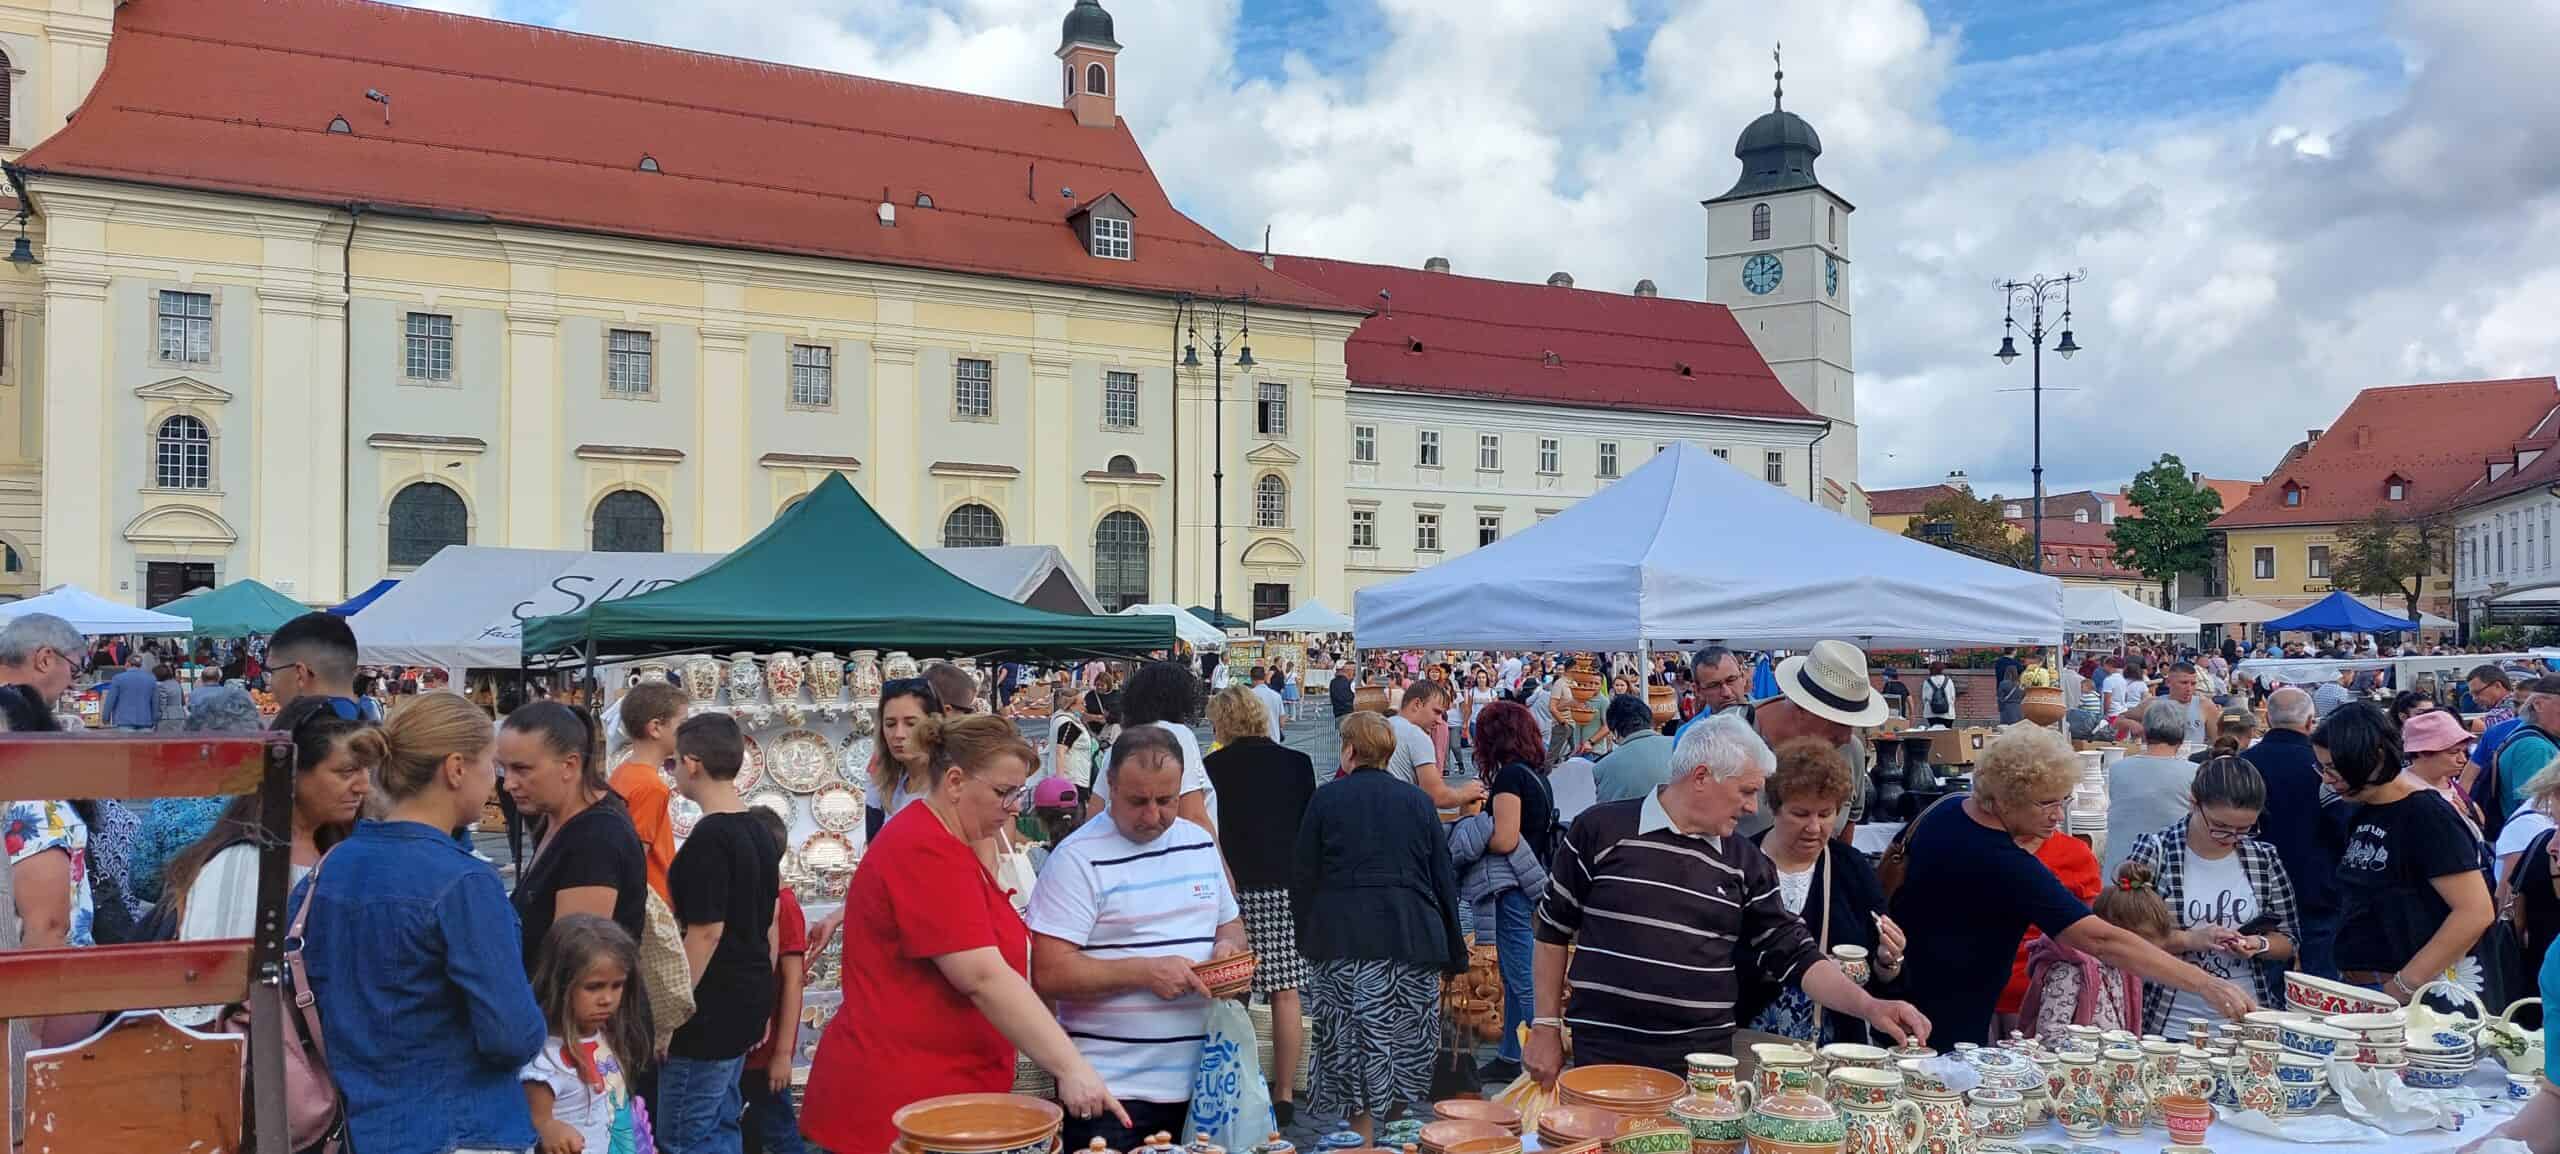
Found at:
(1467, 1136)
(2087, 812)
(2379, 1037)
(1479, 1110)
(1631, 1091)
(2440, 1061)
(1561, 1126)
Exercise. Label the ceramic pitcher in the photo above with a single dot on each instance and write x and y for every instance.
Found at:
(1795, 1120)
(1777, 1060)
(2253, 1078)
(2159, 1070)
(1946, 1123)
(2126, 1102)
(1875, 1115)
(826, 678)
(702, 679)
(863, 676)
(745, 681)
(2082, 1106)
(1716, 1106)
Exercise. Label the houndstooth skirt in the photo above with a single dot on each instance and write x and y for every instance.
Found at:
(1273, 931)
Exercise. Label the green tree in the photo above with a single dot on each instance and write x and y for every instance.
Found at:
(2172, 535)
(1968, 524)
(2388, 556)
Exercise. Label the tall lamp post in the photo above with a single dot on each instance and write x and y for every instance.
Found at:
(1216, 312)
(2035, 292)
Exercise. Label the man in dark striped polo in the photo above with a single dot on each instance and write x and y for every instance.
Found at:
(1666, 904)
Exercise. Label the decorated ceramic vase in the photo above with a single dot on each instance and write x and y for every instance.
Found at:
(1946, 1126)
(784, 673)
(746, 683)
(2121, 1072)
(2082, 1106)
(826, 678)
(1795, 1120)
(702, 679)
(648, 671)
(862, 677)
(897, 665)
(2253, 1078)
(1874, 1116)
(2159, 1073)
(1716, 1106)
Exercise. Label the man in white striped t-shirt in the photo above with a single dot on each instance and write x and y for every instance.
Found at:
(1122, 911)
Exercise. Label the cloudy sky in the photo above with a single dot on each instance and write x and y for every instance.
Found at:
(2278, 201)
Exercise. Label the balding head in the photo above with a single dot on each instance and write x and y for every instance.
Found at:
(2289, 708)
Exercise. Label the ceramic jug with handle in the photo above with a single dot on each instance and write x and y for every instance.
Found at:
(2519, 1048)
(1795, 1120)
(1716, 1106)
(1946, 1122)
(1876, 1117)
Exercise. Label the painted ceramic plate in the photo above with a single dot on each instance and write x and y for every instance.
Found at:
(782, 804)
(827, 855)
(837, 809)
(854, 767)
(754, 767)
(801, 761)
(681, 814)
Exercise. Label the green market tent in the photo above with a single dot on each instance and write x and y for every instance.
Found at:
(1221, 620)
(830, 574)
(236, 610)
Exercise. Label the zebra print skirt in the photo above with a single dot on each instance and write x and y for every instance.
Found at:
(1377, 1030)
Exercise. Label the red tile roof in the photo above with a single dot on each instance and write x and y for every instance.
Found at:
(1492, 338)
(2094, 544)
(535, 127)
(1905, 502)
(2542, 444)
(2438, 437)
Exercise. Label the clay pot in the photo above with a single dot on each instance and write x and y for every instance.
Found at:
(979, 1124)
(1716, 1105)
(2043, 705)
(1369, 699)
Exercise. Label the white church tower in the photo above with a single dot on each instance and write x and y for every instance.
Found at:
(1778, 256)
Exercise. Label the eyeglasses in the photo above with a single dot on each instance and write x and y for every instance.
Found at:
(79, 662)
(2226, 833)
(1012, 799)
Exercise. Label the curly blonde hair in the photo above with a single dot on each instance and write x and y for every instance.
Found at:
(1237, 711)
(2024, 765)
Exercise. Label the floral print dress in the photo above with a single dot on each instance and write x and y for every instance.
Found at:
(34, 827)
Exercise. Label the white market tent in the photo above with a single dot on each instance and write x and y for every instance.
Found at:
(2105, 609)
(95, 615)
(1034, 575)
(1312, 617)
(1689, 550)
(1187, 627)
(2236, 611)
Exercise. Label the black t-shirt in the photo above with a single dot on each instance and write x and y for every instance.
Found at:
(1962, 945)
(2386, 879)
(597, 847)
(1537, 806)
(728, 872)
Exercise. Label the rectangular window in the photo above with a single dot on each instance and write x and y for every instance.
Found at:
(1489, 451)
(1608, 459)
(1773, 468)
(428, 355)
(1426, 532)
(1550, 456)
(973, 388)
(1364, 444)
(1835, 224)
(1120, 400)
(1364, 528)
(2546, 538)
(629, 370)
(1427, 448)
(2262, 562)
(1488, 529)
(813, 376)
(1722, 454)
(2317, 564)
(1110, 238)
(1271, 409)
(186, 328)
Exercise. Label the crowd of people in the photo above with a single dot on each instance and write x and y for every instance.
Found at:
(1686, 875)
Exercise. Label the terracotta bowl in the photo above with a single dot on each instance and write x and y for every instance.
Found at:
(1447, 1135)
(1228, 976)
(979, 1124)
(1633, 1090)
(1502, 1144)
(1479, 1110)
(1574, 1124)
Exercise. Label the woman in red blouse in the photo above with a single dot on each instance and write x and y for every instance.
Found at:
(935, 998)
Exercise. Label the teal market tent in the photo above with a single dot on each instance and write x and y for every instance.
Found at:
(236, 610)
(830, 574)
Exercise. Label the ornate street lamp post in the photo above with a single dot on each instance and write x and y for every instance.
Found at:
(2036, 292)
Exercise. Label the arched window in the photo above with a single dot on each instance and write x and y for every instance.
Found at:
(1120, 561)
(1271, 502)
(1097, 79)
(426, 517)
(1759, 222)
(1123, 465)
(972, 526)
(629, 521)
(185, 454)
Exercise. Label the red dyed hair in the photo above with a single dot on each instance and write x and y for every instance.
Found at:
(1505, 733)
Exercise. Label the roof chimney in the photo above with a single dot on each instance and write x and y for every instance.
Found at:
(2311, 438)
(1561, 280)
(1644, 288)
(1958, 481)
(888, 215)
(1436, 264)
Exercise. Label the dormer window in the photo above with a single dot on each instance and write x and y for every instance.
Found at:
(1107, 227)
(2292, 495)
(2396, 488)
(2080, 516)
(1111, 239)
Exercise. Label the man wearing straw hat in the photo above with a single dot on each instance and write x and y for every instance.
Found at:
(1822, 694)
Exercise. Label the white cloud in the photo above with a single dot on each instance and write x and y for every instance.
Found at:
(2250, 268)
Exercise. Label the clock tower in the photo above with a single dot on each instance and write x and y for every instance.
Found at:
(1778, 256)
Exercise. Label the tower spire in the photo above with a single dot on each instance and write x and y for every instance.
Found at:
(1778, 96)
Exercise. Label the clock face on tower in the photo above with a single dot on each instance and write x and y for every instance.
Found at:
(1831, 275)
(1762, 273)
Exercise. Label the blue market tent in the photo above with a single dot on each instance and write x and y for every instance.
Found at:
(363, 599)
(2339, 613)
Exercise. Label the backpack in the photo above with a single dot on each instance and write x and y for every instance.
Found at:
(1941, 702)
(2485, 790)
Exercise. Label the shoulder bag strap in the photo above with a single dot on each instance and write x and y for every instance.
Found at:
(299, 1001)
(1822, 878)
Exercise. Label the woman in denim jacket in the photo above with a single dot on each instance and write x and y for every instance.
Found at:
(413, 955)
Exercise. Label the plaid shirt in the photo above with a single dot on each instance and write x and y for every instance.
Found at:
(2165, 852)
